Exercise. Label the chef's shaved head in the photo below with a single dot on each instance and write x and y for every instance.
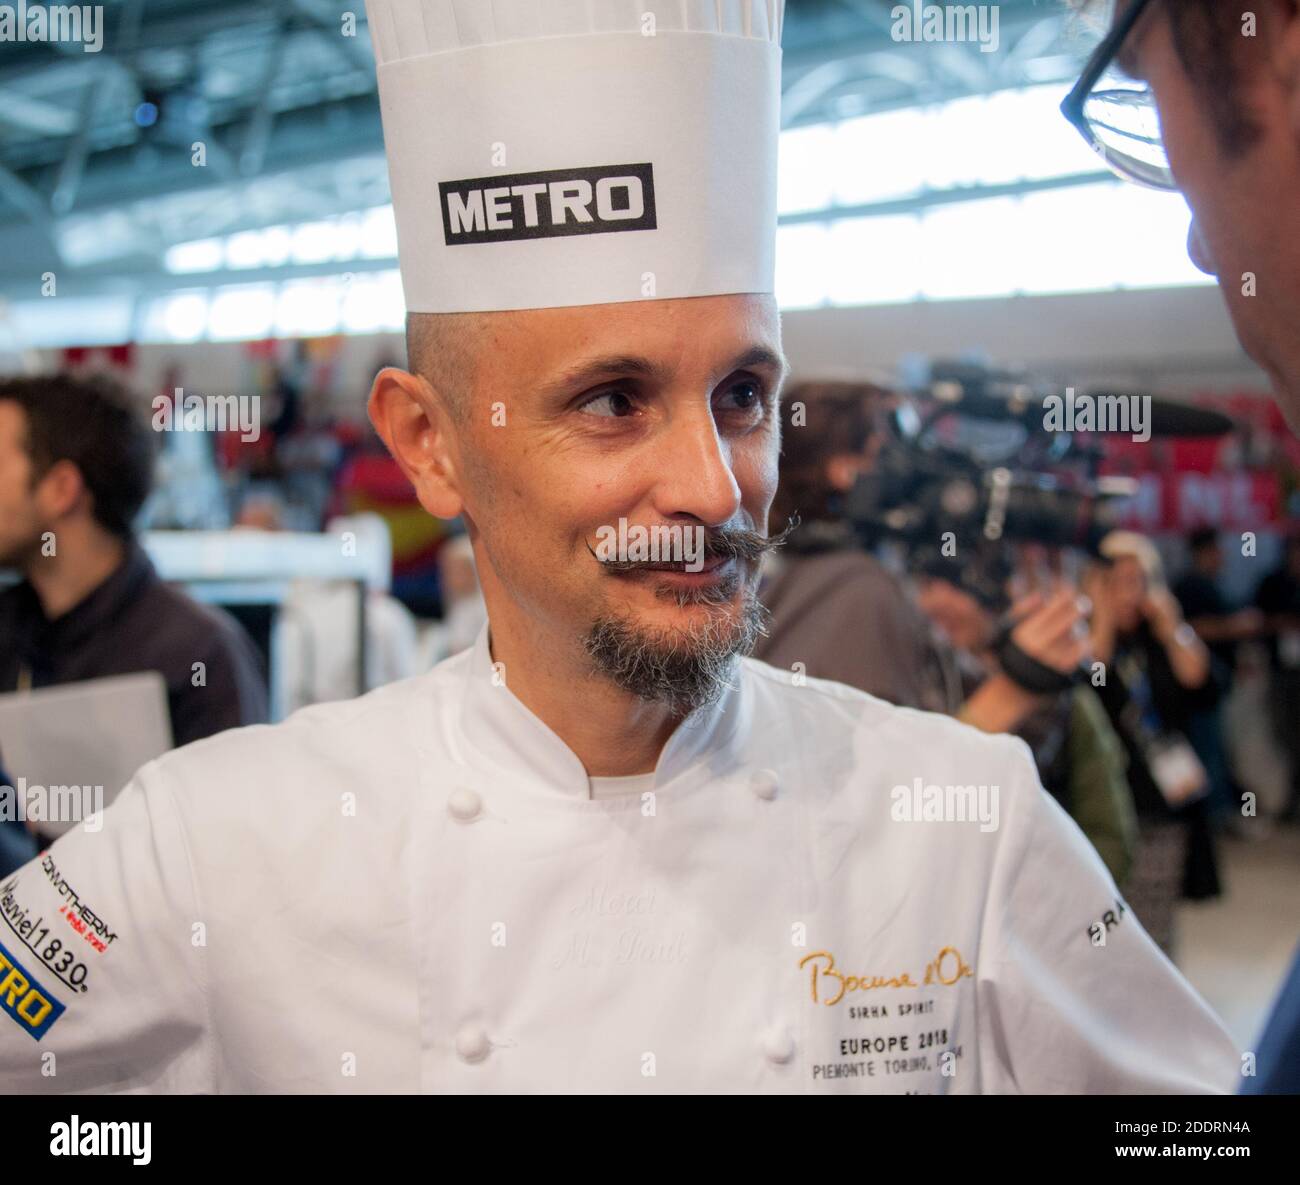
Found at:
(443, 349)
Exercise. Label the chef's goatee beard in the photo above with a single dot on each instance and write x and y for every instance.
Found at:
(683, 669)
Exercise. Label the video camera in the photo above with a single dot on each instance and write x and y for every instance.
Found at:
(969, 465)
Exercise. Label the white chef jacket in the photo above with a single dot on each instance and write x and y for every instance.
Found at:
(418, 891)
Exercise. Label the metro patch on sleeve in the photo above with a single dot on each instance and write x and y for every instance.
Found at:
(31, 1007)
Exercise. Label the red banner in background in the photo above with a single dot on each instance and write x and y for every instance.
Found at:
(1239, 482)
(121, 357)
(1181, 502)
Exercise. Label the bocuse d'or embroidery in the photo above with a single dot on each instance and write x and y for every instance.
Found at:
(947, 968)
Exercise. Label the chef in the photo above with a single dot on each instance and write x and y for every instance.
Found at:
(602, 850)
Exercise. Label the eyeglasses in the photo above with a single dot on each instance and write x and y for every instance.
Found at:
(1116, 115)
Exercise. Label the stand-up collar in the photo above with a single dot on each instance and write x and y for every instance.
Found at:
(498, 730)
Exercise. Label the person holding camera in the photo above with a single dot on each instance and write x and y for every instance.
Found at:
(1021, 675)
(836, 611)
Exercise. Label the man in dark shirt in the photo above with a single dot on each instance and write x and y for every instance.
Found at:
(1206, 609)
(75, 468)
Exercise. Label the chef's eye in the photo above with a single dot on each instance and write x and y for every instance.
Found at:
(616, 404)
(747, 396)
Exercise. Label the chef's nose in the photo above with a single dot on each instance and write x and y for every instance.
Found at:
(693, 474)
(1199, 252)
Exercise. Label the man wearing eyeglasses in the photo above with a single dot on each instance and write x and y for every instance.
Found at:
(1203, 96)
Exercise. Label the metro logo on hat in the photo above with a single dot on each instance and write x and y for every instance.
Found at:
(547, 153)
(542, 205)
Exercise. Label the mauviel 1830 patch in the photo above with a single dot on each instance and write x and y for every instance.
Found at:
(32, 1008)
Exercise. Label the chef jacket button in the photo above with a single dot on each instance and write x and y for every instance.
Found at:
(763, 784)
(472, 1044)
(778, 1045)
(464, 804)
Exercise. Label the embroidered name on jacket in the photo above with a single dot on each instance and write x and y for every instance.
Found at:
(830, 985)
(29, 1005)
(548, 205)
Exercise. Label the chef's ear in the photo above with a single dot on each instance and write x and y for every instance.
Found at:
(413, 422)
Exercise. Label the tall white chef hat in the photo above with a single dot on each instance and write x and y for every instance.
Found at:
(545, 153)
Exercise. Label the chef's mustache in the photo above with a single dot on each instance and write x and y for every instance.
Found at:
(719, 543)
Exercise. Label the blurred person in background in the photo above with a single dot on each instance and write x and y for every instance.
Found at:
(75, 468)
(1278, 599)
(1216, 622)
(1222, 628)
(1157, 672)
(1218, 82)
(1080, 759)
(836, 610)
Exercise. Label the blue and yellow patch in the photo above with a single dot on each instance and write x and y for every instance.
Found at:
(32, 1008)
